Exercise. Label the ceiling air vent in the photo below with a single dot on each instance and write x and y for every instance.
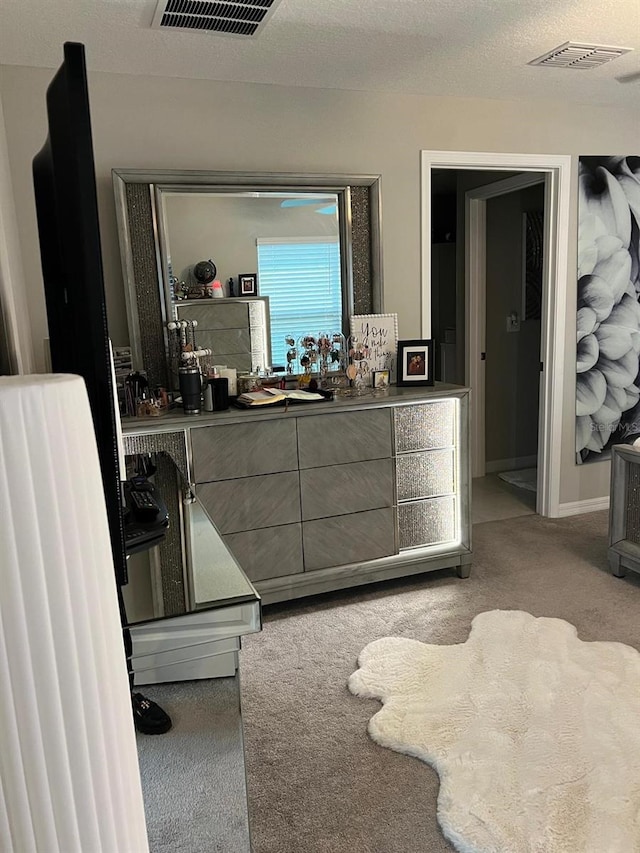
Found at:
(226, 17)
(574, 55)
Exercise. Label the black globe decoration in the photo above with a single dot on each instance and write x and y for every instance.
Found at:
(204, 272)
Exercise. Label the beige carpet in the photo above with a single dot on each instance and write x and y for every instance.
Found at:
(193, 779)
(317, 782)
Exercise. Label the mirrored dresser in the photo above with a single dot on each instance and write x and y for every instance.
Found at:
(316, 497)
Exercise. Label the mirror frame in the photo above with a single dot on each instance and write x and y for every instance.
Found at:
(142, 238)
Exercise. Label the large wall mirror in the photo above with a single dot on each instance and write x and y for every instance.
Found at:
(247, 224)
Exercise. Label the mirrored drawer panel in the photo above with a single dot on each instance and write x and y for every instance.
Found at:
(269, 553)
(348, 539)
(228, 451)
(425, 474)
(253, 502)
(342, 489)
(426, 426)
(429, 522)
(334, 439)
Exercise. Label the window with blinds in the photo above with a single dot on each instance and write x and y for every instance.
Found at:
(301, 277)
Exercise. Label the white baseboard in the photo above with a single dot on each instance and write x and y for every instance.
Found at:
(579, 507)
(498, 465)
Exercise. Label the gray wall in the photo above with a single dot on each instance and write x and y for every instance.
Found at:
(512, 372)
(147, 122)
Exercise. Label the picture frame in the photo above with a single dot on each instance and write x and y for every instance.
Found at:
(415, 363)
(247, 284)
(378, 335)
(380, 378)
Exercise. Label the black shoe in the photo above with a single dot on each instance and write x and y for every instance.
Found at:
(149, 718)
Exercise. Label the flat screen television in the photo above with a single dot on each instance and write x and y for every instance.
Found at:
(68, 226)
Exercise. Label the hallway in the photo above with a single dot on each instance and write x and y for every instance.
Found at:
(495, 500)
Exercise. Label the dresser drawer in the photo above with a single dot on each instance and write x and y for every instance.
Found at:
(429, 522)
(225, 342)
(348, 539)
(253, 502)
(216, 315)
(426, 426)
(334, 439)
(342, 489)
(269, 553)
(230, 451)
(425, 474)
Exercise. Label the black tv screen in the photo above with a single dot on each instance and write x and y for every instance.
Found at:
(68, 226)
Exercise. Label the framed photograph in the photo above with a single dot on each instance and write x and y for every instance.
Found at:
(415, 362)
(248, 284)
(380, 378)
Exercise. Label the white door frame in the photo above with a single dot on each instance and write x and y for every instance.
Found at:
(557, 171)
(476, 299)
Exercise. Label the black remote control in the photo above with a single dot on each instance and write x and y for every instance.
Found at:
(144, 505)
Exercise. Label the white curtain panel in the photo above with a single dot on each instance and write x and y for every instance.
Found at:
(69, 777)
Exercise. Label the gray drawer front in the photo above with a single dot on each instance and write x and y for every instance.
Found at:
(242, 362)
(230, 451)
(428, 522)
(217, 315)
(344, 437)
(425, 474)
(342, 489)
(225, 342)
(252, 502)
(269, 553)
(348, 539)
(426, 426)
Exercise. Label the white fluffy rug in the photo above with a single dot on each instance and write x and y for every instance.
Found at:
(535, 734)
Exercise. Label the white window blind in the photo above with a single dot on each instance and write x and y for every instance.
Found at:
(301, 277)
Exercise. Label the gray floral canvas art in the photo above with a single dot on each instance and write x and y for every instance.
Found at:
(608, 320)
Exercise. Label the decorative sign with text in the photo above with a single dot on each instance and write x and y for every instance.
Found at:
(377, 336)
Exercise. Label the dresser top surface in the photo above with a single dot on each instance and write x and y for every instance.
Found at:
(177, 420)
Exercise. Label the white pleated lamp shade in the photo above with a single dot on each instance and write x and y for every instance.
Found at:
(69, 777)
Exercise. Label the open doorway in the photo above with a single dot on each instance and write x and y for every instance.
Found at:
(490, 332)
(506, 473)
(508, 300)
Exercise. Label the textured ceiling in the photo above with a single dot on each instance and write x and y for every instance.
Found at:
(472, 48)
